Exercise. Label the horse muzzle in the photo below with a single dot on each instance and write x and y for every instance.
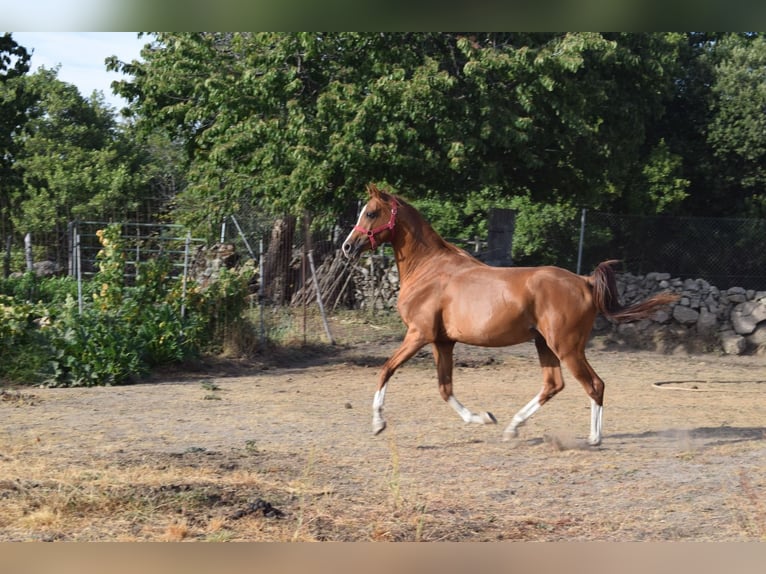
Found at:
(354, 246)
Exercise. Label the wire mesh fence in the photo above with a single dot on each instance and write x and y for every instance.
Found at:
(726, 252)
(141, 242)
(305, 291)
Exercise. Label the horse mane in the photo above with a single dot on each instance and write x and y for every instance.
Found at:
(424, 231)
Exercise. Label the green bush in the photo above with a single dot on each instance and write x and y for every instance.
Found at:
(95, 347)
(21, 338)
(122, 332)
(29, 287)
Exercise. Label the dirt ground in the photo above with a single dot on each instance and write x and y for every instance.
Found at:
(282, 450)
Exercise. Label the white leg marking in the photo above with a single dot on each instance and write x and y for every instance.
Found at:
(378, 423)
(596, 414)
(468, 416)
(520, 418)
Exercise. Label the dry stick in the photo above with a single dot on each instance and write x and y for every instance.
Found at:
(345, 285)
(319, 298)
(334, 277)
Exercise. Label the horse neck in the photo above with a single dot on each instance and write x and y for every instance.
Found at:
(415, 242)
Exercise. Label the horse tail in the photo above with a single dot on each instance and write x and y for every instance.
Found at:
(605, 296)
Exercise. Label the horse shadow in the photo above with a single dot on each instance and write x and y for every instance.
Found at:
(701, 437)
(707, 436)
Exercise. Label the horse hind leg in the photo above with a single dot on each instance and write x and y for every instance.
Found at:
(579, 367)
(443, 356)
(553, 383)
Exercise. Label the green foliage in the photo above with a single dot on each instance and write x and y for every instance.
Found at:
(545, 234)
(737, 130)
(95, 347)
(664, 188)
(219, 308)
(289, 122)
(90, 175)
(47, 290)
(21, 336)
(123, 331)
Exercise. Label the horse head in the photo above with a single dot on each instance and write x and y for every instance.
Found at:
(375, 225)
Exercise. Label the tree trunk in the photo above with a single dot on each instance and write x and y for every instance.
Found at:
(277, 277)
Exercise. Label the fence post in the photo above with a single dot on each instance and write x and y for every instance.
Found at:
(244, 238)
(7, 256)
(28, 251)
(261, 291)
(78, 259)
(582, 240)
(186, 272)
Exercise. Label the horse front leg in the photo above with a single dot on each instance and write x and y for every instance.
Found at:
(443, 356)
(411, 344)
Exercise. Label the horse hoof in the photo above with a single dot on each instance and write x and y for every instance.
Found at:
(489, 418)
(594, 441)
(378, 428)
(510, 435)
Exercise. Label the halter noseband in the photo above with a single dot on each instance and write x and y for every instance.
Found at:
(371, 233)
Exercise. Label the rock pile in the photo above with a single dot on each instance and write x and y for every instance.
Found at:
(376, 283)
(208, 262)
(705, 318)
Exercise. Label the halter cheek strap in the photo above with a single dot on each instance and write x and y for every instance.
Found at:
(371, 233)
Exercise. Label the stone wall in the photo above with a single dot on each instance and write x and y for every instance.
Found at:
(705, 319)
(375, 281)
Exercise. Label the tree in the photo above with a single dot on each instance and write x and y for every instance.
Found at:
(14, 102)
(72, 160)
(296, 121)
(737, 130)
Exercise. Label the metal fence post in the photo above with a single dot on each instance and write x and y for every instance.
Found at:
(582, 240)
(186, 272)
(28, 251)
(261, 292)
(78, 268)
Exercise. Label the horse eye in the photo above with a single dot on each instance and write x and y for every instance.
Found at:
(372, 214)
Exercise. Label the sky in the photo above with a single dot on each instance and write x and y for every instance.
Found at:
(81, 56)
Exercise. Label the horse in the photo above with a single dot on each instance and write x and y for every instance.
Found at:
(447, 296)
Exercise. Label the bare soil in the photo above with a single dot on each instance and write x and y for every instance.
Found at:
(282, 449)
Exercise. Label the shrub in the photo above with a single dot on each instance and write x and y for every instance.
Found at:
(21, 338)
(122, 330)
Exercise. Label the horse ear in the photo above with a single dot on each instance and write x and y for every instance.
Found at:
(373, 190)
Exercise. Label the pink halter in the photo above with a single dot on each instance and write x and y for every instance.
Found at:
(371, 233)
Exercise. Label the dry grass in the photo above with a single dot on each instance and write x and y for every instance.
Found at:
(285, 454)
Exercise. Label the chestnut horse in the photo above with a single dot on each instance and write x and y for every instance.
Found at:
(447, 296)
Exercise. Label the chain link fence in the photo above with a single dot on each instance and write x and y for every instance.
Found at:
(726, 252)
(356, 301)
